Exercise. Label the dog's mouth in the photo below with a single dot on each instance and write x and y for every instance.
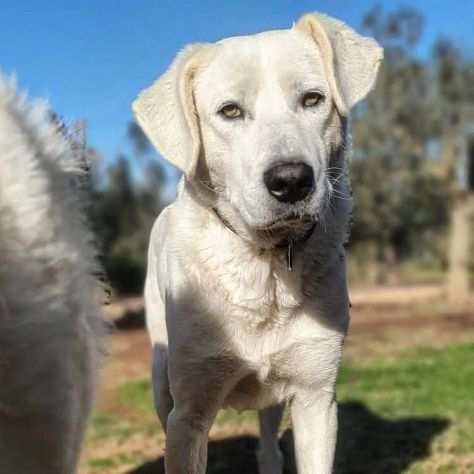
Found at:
(292, 221)
(290, 227)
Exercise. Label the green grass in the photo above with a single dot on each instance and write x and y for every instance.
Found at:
(402, 412)
(411, 415)
(137, 395)
(429, 382)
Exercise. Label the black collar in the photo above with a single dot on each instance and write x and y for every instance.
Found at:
(287, 244)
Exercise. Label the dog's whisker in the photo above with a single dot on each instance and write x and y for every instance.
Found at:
(342, 197)
(338, 178)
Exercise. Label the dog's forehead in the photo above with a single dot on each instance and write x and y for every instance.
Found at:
(266, 40)
(244, 59)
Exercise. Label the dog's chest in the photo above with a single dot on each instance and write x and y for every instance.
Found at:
(256, 286)
(276, 361)
(269, 330)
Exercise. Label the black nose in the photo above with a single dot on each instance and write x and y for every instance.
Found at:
(289, 182)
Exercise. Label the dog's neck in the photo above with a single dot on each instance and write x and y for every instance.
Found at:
(287, 243)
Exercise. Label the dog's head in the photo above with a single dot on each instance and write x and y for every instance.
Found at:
(258, 120)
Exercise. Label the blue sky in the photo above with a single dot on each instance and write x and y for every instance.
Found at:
(90, 58)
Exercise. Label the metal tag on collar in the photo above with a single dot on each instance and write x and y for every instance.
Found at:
(289, 256)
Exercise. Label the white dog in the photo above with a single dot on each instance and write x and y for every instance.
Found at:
(246, 296)
(50, 324)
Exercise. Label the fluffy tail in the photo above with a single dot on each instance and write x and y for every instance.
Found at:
(50, 318)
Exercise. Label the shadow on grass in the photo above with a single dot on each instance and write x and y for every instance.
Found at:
(367, 444)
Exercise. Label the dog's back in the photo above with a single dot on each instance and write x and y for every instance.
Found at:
(50, 325)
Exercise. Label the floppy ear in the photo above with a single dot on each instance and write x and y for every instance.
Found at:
(351, 60)
(167, 113)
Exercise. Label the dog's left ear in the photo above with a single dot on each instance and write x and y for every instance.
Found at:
(351, 60)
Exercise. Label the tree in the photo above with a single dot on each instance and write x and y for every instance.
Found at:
(400, 199)
(124, 210)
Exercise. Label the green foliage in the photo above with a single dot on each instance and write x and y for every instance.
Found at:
(123, 211)
(402, 194)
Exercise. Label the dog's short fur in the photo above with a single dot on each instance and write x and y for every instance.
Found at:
(50, 323)
(246, 296)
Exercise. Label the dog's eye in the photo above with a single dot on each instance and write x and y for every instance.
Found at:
(311, 99)
(231, 110)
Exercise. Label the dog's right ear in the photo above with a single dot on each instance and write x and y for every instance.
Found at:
(351, 61)
(167, 113)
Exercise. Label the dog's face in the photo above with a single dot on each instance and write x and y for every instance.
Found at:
(266, 126)
(258, 118)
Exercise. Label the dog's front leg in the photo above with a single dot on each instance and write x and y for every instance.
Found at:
(199, 390)
(187, 437)
(314, 419)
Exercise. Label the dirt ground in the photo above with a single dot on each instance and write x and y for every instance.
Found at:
(384, 323)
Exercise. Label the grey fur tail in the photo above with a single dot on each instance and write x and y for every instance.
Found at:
(51, 328)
